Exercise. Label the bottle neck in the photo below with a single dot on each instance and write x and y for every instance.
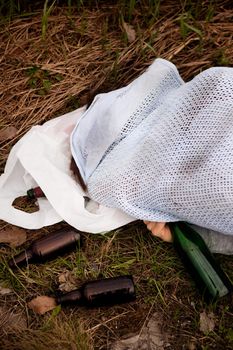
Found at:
(74, 296)
(35, 192)
(21, 259)
(200, 263)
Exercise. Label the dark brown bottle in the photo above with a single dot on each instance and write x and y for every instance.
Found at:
(108, 291)
(48, 247)
(35, 192)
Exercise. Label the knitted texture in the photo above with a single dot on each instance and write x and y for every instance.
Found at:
(172, 157)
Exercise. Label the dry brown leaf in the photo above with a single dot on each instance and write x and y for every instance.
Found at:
(42, 304)
(207, 323)
(67, 281)
(8, 133)
(152, 334)
(4, 291)
(130, 32)
(13, 235)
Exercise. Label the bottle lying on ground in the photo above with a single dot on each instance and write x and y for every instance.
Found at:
(35, 192)
(114, 290)
(50, 246)
(199, 262)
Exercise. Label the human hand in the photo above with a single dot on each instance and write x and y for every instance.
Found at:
(159, 229)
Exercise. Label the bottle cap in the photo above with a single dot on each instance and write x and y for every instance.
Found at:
(35, 193)
(30, 194)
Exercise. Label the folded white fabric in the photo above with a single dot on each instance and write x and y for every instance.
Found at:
(42, 158)
(161, 149)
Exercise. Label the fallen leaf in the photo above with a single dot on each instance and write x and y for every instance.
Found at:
(4, 291)
(207, 323)
(130, 32)
(13, 235)
(42, 304)
(151, 336)
(8, 133)
(67, 281)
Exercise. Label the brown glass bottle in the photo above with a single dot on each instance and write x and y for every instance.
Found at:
(35, 192)
(108, 291)
(53, 245)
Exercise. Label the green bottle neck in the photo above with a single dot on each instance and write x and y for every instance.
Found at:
(200, 262)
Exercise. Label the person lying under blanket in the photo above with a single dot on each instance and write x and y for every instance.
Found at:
(161, 150)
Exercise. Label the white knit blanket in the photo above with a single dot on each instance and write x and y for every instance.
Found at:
(160, 149)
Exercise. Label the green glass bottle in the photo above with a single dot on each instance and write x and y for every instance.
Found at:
(200, 263)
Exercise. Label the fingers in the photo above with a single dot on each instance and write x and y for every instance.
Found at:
(155, 227)
(159, 229)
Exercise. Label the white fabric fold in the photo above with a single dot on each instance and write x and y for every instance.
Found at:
(161, 149)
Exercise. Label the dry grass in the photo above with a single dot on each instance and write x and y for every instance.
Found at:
(65, 332)
(83, 53)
